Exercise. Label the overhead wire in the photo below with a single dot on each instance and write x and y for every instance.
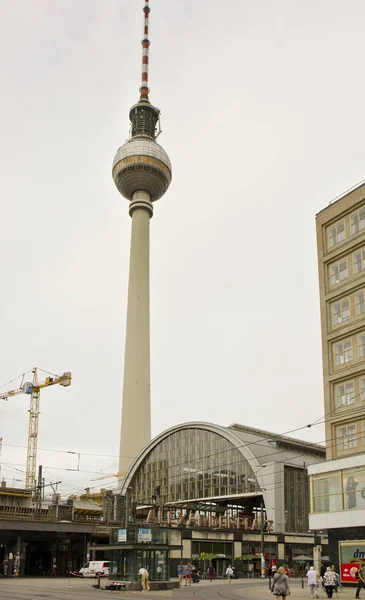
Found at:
(319, 421)
(15, 379)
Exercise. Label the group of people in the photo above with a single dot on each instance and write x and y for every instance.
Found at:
(328, 577)
(188, 574)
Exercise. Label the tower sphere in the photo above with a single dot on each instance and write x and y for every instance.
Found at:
(142, 164)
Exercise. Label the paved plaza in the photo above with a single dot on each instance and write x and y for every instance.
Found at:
(74, 589)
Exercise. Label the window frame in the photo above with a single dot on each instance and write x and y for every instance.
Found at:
(340, 317)
(361, 335)
(343, 352)
(359, 303)
(362, 387)
(339, 275)
(346, 393)
(361, 252)
(348, 443)
(358, 221)
(335, 239)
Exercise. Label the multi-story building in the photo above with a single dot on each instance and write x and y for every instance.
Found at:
(338, 485)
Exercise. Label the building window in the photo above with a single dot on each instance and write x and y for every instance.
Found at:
(358, 220)
(339, 271)
(343, 352)
(360, 303)
(341, 311)
(359, 261)
(345, 393)
(347, 437)
(362, 388)
(361, 345)
(296, 499)
(336, 233)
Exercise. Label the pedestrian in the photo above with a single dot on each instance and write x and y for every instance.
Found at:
(312, 582)
(211, 572)
(189, 572)
(229, 573)
(360, 576)
(180, 573)
(144, 576)
(338, 584)
(329, 581)
(193, 574)
(280, 584)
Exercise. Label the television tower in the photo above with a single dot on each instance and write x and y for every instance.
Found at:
(142, 174)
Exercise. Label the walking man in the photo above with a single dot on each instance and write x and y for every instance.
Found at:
(180, 573)
(211, 572)
(361, 580)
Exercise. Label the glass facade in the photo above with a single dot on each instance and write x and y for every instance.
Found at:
(200, 549)
(125, 564)
(296, 499)
(193, 463)
(338, 490)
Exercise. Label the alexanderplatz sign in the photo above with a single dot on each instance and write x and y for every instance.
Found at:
(173, 518)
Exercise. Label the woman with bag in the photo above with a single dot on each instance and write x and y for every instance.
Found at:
(280, 584)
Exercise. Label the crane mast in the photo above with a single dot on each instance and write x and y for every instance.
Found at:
(33, 434)
(33, 390)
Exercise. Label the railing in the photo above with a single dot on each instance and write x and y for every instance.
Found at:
(30, 513)
(22, 512)
(88, 518)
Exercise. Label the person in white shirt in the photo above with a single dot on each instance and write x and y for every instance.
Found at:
(144, 575)
(312, 582)
(229, 573)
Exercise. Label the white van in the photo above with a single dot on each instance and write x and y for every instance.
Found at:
(93, 567)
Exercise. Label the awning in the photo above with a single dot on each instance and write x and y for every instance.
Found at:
(211, 556)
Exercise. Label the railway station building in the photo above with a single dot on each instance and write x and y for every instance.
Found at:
(204, 493)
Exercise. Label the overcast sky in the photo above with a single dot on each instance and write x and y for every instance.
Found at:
(263, 119)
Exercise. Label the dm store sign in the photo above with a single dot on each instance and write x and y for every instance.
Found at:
(352, 556)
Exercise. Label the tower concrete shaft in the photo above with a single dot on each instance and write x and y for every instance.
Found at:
(136, 407)
(142, 173)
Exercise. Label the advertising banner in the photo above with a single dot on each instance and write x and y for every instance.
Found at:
(348, 571)
(122, 535)
(352, 556)
(145, 535)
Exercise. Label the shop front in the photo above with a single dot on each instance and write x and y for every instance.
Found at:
(135, 547)
(217, 553)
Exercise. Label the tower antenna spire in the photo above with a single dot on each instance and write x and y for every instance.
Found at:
(144, 89)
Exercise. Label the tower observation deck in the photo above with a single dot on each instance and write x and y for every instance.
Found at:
(142, 174)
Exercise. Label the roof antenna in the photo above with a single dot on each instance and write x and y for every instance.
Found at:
(144, 89)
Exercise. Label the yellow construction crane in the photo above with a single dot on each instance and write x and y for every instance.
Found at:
(33, 389)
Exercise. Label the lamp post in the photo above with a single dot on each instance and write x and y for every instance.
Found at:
(263, 570)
